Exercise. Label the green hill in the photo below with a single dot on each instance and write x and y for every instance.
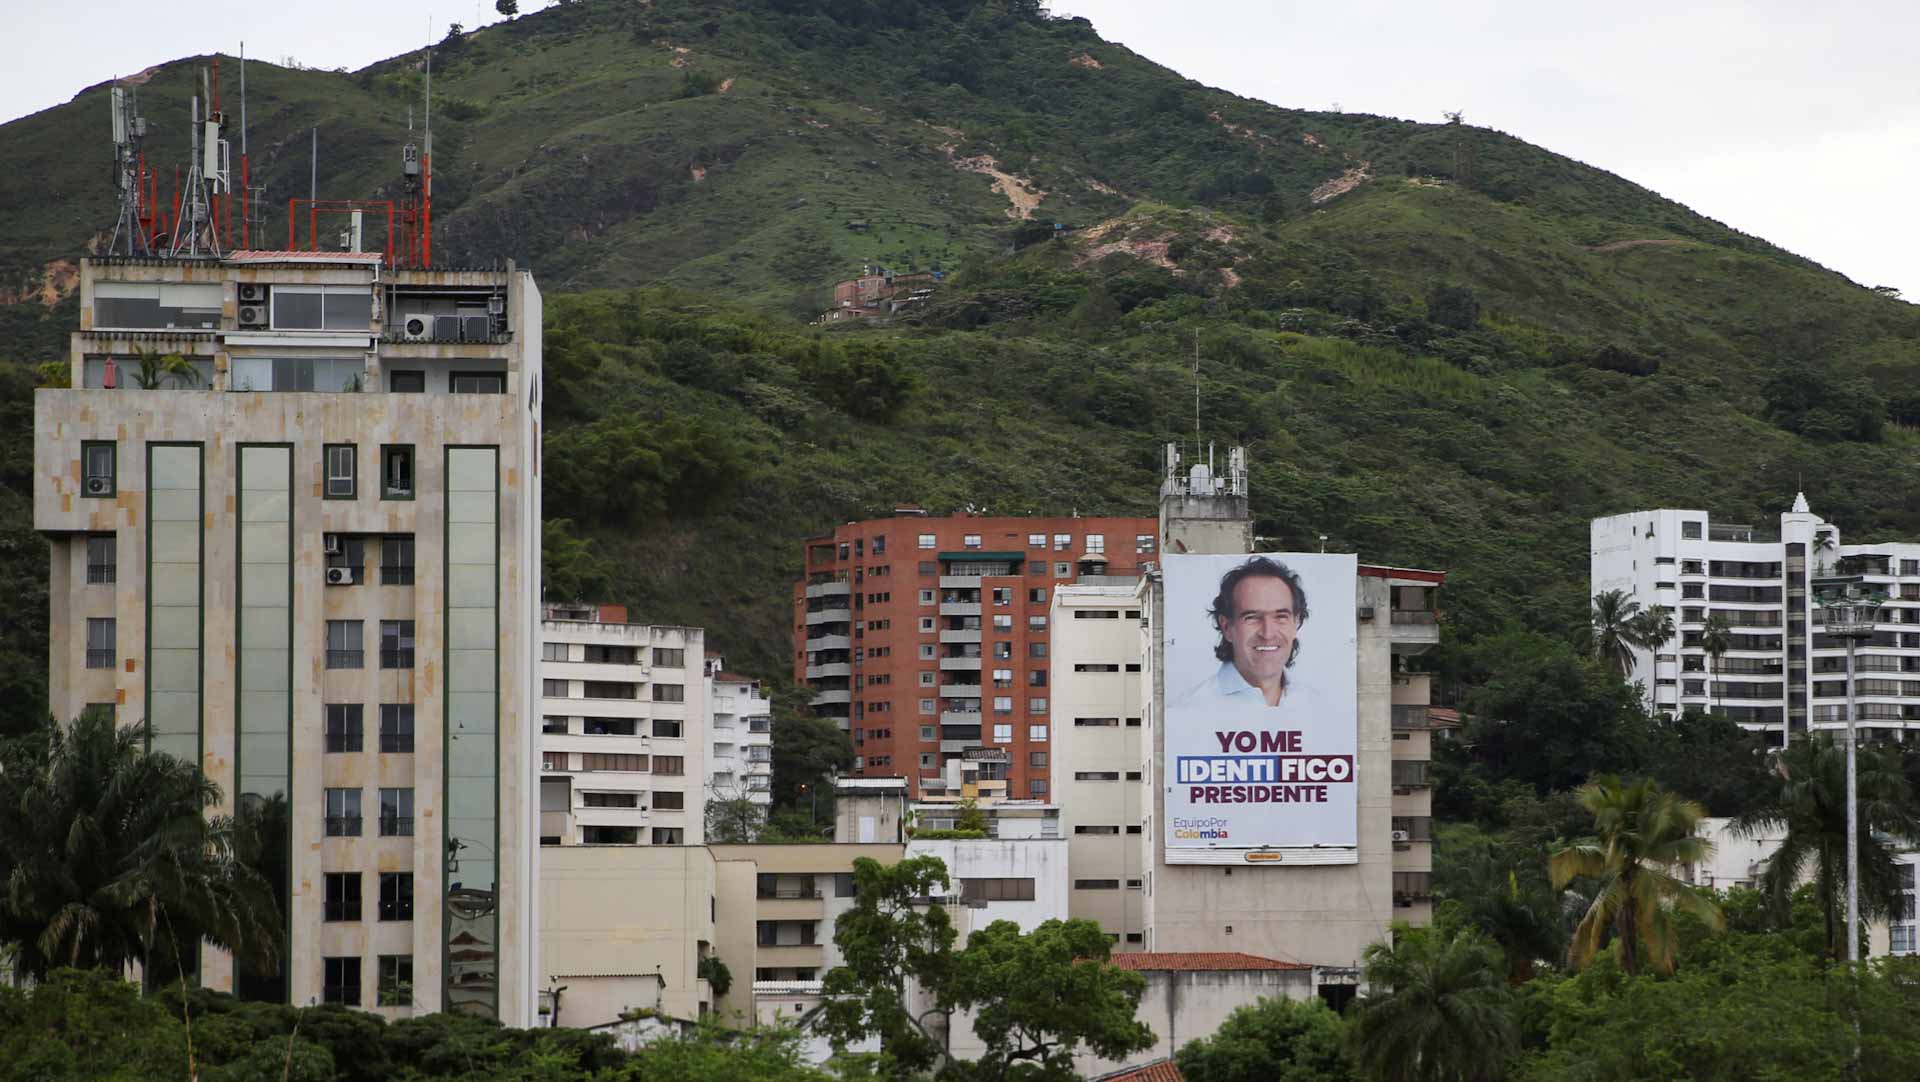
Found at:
(1445, 347)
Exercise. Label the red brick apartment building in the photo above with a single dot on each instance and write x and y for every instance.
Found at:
(927, 637)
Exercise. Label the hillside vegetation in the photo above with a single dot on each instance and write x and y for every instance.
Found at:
(1443, 346)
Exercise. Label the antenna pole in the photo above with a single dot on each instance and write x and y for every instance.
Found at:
(1196, 391)
(426, 162)
(313, 177)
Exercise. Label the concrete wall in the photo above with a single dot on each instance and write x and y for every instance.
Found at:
(1181, 1006)
(1042, 860)
(624, 927)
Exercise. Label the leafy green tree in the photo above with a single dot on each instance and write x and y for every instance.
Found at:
(507, 8)
(1499, 891)
(1808, 399)
(1453, 306)
(716, 974)
(1546, 716)
(1038, 998)
(1809, 802)
(1439, 1009)
(720, 1055)
(807, 752)
(889, 941)
(156, 369)
(971, 818)
(1271, 1040)
(734, 819)
(106, 850)
(572, 569)
(1643, 835)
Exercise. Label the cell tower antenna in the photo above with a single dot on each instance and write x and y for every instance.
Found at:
(197, 235)
(130, 174)
(252, 215)
(1196, 391)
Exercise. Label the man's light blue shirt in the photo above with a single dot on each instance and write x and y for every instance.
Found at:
(1227, 688)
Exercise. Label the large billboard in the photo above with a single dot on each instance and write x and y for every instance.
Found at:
(1261, 719)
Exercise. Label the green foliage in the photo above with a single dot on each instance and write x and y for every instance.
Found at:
(1453, 306)
(971, 819)
(571, 568)
(887, 941)
(953, 834)
(109, 856)
(1811, 400)
(623, 472)
(696, 83)
(1039, 998)
(1271, 1040)
(1439, 1009)
(1642, 835)
(715, 973)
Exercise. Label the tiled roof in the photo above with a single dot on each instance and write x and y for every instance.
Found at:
(1189, 961)
(1443, 716)
(724, 677)
(1160, 1070)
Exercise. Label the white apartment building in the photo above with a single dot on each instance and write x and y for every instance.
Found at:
(739, 737)
(623, 744)
(1099, 754)
(308, 557)
(1781, 674)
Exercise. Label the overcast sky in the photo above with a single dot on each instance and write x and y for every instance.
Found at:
(1797, 122)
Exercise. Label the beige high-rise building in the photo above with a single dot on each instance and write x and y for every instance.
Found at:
(1316, 907)
(307, 552)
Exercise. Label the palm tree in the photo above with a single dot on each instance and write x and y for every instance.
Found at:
(1824, 542)
(1643, 835)
(1519, 913)
(156, 367)
(1439, 1009)
(107, 854)
(1716, 638)
(1810, 804)
(1614, 635)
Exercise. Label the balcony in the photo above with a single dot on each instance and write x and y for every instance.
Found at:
(1411, 774)
(831, 696)
(790, 956)
(959, 717)
(760, 724)
(958, 746)
(950, 635)
(960, 608)
(817, 643)
(960, 691)
(1413, 630)
(840, 588)
(830, 616)
(960, 664)
(831, 668)
(809, 906)
(1408, 717)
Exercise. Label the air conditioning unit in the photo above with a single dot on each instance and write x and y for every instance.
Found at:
(330, 544)
(339, 576)
(416, 327)
(446, 328)
(98, 486)
(1403, 835)
(253, 293)
(253, 315)
(474, 327)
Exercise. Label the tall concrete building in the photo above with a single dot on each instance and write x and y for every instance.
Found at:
(1781, 674)
(927, 637)
(1316, 905)
(307, 554)
(640, 728)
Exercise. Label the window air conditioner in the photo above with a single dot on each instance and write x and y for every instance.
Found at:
(339, 576)
(416, 327)
(1402, 835)
(253, 315)
(253, 293)
(98, 486)
(330, 544)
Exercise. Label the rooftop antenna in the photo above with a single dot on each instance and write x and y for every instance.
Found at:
(196, 234)
(1196, 392)
(130, 175)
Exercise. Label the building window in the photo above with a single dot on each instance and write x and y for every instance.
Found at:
(926, 541)
(343, 813)
(1037, 787)
(1096, 884)
(669, 659)
(1691, 530)
(1036, 649)
(1096, 830)
(396, 813)
(1036, 706)
(396, 472)
(598, 835)
(343, 727)
(670, 765)
(347, 555)
(926, 706)
(341, 981)
(396, 895)
(1036, 623)
(100, 473)
(478, 383)
(317, 308)
(610, 800)
(1062, 570)
(669, 800)
(611, 761)
(396, 560)
(971, 541)
(396, 980)
(101, 648)
(669, 836)
(1036, 540)
(665, 727)
(102, 559)
(1037, 733)
(553, 651)
(926, 597)
(1143, 544)
(342, 476)
(396, 644)
(342, 896)
(1003, 734)
(1097, 542)
(669, 693)
(1096, 775)
(1002, 622)
(926, 625)
(1062, 541)
(996, 890)
(344, 648)
(407, 382)
(926, 679)
(1037, 595)
(1036, 758)
(396, 728)
(1036, 678)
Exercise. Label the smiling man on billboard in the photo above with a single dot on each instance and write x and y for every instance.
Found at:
(1258, 612)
